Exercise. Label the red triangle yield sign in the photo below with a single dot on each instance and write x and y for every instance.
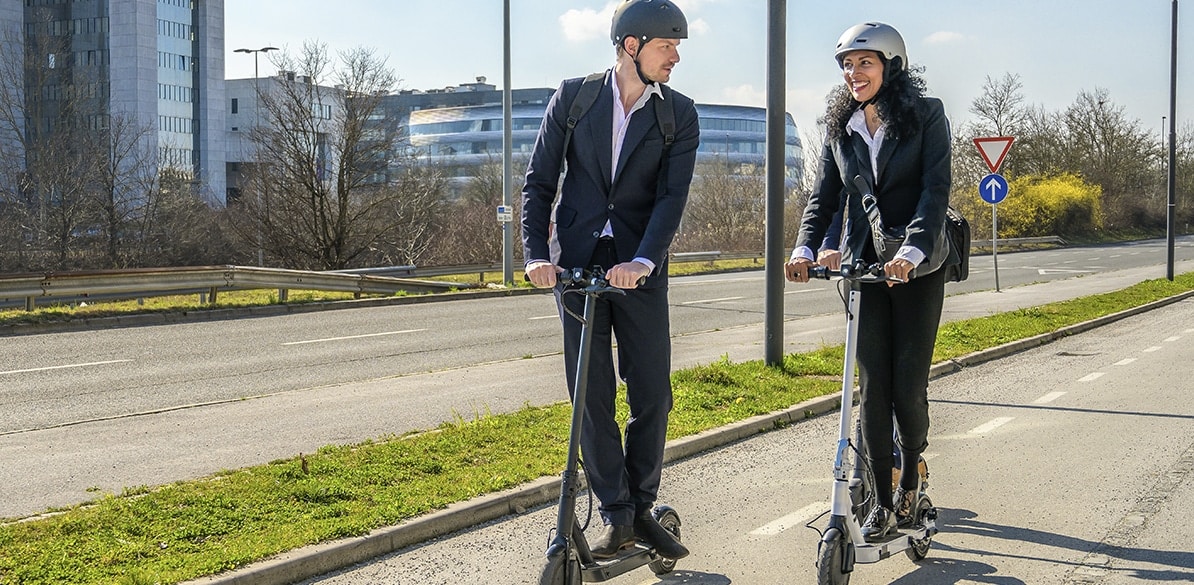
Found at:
(993, 150)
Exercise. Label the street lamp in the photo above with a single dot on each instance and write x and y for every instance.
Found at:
(257, 122)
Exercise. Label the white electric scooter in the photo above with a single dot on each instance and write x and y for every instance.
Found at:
(842, 544)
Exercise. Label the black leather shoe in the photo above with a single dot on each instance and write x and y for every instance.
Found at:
(613, 538)
(665, 543)
(905, 503)
(878, 523)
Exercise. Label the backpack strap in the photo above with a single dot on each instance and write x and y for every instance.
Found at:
(584, 100)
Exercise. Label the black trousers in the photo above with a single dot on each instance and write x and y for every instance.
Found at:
(625, 478)
(897, 332)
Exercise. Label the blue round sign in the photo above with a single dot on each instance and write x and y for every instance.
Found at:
(993, 188)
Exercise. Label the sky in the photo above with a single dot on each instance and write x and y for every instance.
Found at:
(1057, 47)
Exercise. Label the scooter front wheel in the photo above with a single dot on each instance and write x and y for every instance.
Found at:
(918, 549)
(560, 570)
(670, 521)
(831, 559)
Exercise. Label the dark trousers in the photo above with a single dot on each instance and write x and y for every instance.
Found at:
(624, 479)
(897, 332)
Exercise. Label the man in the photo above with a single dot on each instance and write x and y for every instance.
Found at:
(619, 207)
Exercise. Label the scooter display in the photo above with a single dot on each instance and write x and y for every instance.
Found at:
(842, 544)
(569, 559)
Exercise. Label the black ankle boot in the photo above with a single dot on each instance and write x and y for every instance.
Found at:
(665, 543)
(613, 538)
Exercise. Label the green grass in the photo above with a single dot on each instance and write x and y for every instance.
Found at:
(188, 529)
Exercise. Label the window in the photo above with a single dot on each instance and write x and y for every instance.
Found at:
(235, 104)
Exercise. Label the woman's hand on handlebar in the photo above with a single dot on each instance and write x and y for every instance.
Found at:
(796, 270)
(627, 274)
(542, 274)
(897, 271)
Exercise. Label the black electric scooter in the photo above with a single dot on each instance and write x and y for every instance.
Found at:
(842, 544)
(569, 559)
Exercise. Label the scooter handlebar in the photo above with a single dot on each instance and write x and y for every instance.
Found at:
(589, 277)
(857, 272)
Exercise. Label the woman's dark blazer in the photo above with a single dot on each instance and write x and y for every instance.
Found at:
(913, 189)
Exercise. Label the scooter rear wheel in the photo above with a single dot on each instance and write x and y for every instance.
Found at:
(670, 521)
(558, 572)
(831, 554)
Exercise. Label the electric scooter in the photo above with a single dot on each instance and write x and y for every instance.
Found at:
(569, 559)
(842, 544)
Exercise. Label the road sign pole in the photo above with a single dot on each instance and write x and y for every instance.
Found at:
(994, 242)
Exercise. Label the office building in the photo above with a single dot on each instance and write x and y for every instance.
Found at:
(158, 64)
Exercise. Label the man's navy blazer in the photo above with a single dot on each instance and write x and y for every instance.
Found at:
(643, 216)
(913, 189)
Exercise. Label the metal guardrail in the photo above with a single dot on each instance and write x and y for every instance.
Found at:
(208, 281)
(205, 280)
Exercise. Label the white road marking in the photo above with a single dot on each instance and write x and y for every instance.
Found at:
(1091, 377)
(1044, 271)
(66, 366)
(544, 317)
(990, 426)
(1151, 349)
(1124, 362)
(1174, 338)
(703, 301)
(346, 337)
(803, 290)
(1050, 397)
(797, 518)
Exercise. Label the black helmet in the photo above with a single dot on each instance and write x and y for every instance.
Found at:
(648, 19)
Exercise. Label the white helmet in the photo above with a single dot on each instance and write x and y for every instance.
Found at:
(874, 36)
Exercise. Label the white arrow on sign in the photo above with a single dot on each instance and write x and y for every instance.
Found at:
(994, 148)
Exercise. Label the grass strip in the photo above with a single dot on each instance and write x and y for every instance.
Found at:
(193, 528)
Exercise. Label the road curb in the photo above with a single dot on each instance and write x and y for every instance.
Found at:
(315, 560)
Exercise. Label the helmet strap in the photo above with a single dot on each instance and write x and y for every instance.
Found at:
(637, 67)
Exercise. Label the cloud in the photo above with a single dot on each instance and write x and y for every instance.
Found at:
(586, 24)
(744, 95)
(943, 37)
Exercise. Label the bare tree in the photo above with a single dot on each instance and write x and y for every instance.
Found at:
(726, 208)
(999, 108)
(329, 186)
(1114, 152)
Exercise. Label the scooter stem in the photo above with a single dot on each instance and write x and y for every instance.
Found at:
(841, 503)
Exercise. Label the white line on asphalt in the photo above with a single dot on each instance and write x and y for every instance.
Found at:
(1174, 338)
(1091, 377)
(63, 367)
(1151, 349)
(353, 337)
(990, 426)
(803, 290)
(1050, 397)
(797, 518)
(1124, 362)
(544, 317)
(702, 301)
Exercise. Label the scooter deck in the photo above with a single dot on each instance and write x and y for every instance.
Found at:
(894, 543)
(626, 561)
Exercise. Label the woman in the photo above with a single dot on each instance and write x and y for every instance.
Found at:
(884, 136)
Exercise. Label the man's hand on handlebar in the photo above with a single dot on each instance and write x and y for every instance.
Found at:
(542, 274)
(627, 274)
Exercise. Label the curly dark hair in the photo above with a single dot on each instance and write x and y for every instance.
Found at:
(896, 105)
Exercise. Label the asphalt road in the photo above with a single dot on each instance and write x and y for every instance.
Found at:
(58, 379)
(92, 412)
(1072, 463)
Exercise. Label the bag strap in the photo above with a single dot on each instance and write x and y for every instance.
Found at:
(871, 206)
